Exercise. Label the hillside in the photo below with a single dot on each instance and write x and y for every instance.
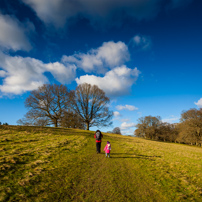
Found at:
(54, 164)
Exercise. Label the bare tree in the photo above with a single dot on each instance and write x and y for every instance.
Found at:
(32, 121)
(91, 104)
(166, 132)
(72, 120)
(47, 102)
(191, 126)
(116, 130)
(148, 127)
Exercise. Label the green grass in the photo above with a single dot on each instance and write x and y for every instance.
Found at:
(54, 164)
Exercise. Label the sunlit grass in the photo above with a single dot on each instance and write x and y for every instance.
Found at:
(26, 153)
(55, 164)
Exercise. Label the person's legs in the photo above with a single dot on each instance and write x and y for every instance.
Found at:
(106, 154)
(109, 155)
(97, 147)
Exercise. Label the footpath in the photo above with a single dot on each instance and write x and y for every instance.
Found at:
(93, 177)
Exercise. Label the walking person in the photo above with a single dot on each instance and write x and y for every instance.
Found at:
(98, 138)
(107, 149)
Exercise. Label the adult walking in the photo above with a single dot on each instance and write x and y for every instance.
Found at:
(98, 138)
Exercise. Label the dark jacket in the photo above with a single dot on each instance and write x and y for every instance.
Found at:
(101, 137)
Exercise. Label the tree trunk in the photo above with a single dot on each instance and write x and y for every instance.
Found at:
(87, 126)
(56, 123)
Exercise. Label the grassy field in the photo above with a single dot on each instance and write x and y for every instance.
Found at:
(54, 164)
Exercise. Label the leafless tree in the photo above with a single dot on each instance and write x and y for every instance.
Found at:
(191, 126)
(147, 127)
(31, 121)
(167, 132)
(72, 120)
(116, 130)
(91, 104)
(48, 102)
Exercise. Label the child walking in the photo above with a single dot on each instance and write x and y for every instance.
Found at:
(107, 149)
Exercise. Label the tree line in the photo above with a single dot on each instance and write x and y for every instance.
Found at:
(3, 124)
(187, 131)
(88, 106)
(82, 108)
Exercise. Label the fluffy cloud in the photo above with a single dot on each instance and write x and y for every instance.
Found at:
(115, 82)
(25, 74)
(13, 33)
(126, 125)
(129, 131)
(117, 114)
(126, 107)
(61, 73)
(2, 73)
(199, 103)
(109, 55)
(60, 11)
(57, 12)
(141, 42)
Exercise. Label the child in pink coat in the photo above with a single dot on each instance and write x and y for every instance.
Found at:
(107, 149)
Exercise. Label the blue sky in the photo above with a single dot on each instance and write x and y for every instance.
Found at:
(146, 55)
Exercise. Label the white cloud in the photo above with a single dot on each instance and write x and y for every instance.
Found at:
(13, 33)
(2, 73)
(117, 114)
(129, 131)
(141, 42)
(22, 75)
(99, 12)
(126, 125)
(25, 74)
(199, 103)
(52, 11)
(62, 73)
(125, 120)
(126, 107)
(109, 55)
(115, 82)
(171, 119)
(60, 11)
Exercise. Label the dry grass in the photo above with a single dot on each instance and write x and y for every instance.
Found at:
(52, 164)
(28, 152)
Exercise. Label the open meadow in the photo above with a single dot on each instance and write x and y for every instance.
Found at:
(57, 164)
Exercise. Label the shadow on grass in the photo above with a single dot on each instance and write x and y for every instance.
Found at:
(132, 155)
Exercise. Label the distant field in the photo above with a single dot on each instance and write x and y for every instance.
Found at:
(54, 164)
